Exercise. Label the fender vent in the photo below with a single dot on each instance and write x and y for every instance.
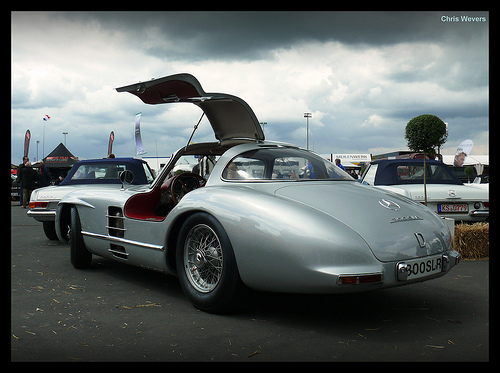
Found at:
(116, 227)
(118, 251)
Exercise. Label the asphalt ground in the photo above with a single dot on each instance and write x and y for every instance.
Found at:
(115, 312)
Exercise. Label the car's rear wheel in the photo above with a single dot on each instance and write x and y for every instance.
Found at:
(206, 265)
(81, 258)
(49, 228)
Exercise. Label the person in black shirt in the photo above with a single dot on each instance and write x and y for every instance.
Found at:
(28, 182)
(19, 179)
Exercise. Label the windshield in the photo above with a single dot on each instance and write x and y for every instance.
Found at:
(282, 164)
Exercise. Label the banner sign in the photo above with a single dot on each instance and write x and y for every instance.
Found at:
(463, 150)
(110, 143)
(56, 159)
(27, 138)
(139, 147)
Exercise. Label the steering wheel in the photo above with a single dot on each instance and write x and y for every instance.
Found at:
(183, 184)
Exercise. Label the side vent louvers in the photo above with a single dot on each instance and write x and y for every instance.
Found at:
(115, 222)
(116, 228)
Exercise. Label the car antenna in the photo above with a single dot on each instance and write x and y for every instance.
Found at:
(194, 130)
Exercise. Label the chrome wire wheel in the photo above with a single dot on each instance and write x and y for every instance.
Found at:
(203, 258)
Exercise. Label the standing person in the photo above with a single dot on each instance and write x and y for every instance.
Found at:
(43, 175)
(28, 182)
(20, 178)
(337, 162)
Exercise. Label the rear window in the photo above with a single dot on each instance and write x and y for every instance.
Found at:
(282, 164)
(434, 172)
(99, 172)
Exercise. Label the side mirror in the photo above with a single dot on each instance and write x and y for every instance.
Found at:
(126, 176)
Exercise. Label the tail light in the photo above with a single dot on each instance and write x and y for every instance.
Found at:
(360, 279)
(38, 205)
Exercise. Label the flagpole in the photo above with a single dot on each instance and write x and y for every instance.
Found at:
(43, 150)
(45, 119)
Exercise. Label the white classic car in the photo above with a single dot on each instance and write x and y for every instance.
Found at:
(270, 216)
(89, 174)
(446, 195)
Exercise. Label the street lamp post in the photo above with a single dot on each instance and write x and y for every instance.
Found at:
(263, 124)
(65, 133)
(307, 116)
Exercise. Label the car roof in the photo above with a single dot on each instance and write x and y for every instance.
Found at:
(112, 160)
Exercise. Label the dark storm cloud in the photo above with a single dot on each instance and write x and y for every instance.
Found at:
(250, 35)
(364, 75)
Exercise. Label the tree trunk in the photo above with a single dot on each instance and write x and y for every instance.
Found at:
(425, 181)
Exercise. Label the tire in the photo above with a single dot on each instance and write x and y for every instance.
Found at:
(206, 265)
(81, 258)
(49, 228)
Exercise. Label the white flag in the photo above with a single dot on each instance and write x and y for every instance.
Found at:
(463, 151)
(139, 148)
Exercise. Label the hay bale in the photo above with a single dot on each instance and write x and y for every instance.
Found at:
(473, 240)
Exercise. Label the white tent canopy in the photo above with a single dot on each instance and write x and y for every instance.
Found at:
(477, 161)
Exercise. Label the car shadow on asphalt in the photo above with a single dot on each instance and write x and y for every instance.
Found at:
(394, 312)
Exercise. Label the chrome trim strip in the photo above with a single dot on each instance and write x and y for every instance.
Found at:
(479, 213)
(115, 216)
(117, 228)
(119, 253)
(41, 212)
(124, 241)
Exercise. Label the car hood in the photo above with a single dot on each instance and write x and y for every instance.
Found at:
(387, 222)
(229, 116)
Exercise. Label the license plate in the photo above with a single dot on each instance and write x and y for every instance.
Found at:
(424, 267)
(453, 207)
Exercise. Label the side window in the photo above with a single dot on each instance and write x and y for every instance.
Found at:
(289, 168)
(149, 174)
(242, 168)
(369, 177)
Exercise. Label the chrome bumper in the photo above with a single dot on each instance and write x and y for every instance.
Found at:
(42, 215)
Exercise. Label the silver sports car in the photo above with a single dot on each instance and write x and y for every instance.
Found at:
(264, 215)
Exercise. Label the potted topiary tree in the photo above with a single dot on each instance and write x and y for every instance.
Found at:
(424, 133)
(469, 171)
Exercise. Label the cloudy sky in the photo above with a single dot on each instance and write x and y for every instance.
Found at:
(362, 75)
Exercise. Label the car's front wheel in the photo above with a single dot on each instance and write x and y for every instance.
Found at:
(206, 265)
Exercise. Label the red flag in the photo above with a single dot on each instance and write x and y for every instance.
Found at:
(110, 143)
(27, 138)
